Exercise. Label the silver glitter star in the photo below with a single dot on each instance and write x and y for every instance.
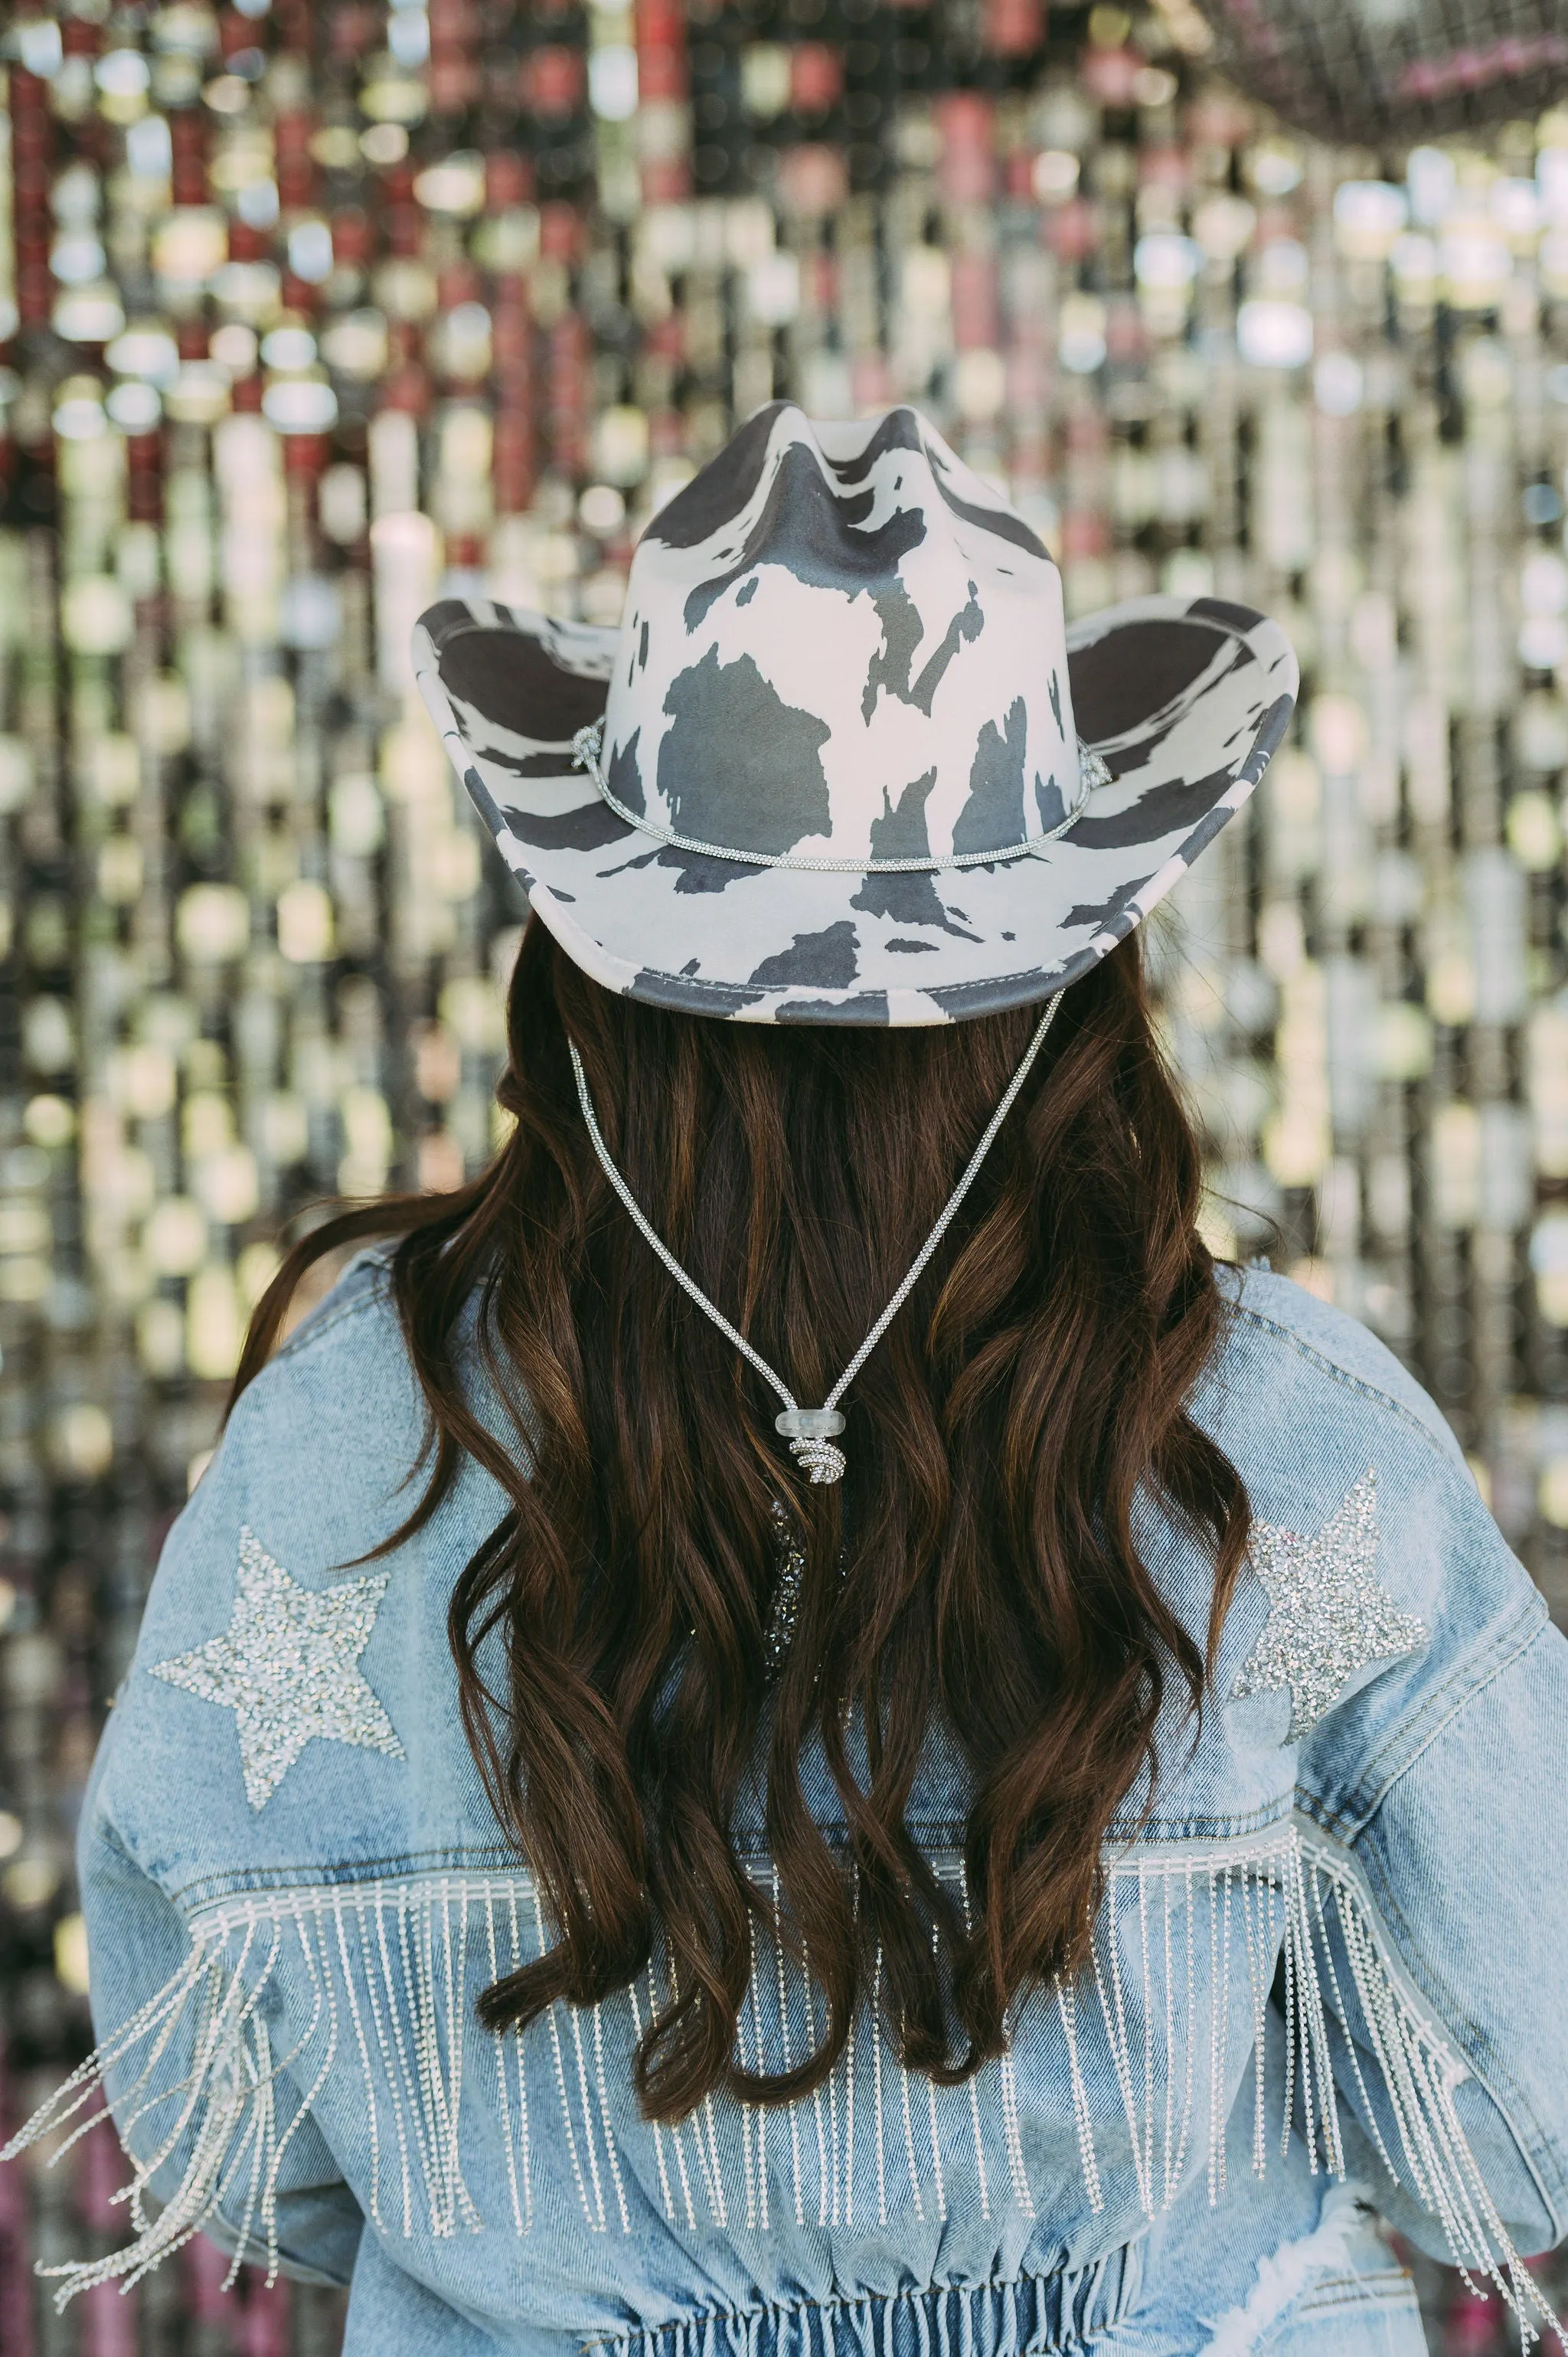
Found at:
(1328, 1616)
(286, 1667)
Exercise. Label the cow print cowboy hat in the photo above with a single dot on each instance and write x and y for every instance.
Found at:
(843, 762)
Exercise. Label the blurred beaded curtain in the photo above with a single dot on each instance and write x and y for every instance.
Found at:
(1404, 69)
(309, 307)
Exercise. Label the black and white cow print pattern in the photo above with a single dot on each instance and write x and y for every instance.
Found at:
(837, 641)
(1185, 700)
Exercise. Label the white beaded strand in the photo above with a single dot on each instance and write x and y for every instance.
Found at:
(812, 1431)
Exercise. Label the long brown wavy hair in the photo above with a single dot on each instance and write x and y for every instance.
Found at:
(977, 1572)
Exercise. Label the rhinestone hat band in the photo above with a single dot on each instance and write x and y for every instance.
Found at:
(588, 743)
(812, 1432)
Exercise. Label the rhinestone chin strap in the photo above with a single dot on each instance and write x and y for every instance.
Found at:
(812, 1432)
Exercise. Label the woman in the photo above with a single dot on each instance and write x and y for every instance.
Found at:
(1038, 1851)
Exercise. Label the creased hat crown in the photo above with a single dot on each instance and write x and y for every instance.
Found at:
(840, 762)
(838, 643)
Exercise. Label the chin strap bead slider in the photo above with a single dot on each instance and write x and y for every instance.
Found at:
(810, 1432)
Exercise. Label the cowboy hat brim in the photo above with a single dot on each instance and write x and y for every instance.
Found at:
(1185, 699)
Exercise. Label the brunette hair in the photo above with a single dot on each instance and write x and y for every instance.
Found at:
(978, 1572)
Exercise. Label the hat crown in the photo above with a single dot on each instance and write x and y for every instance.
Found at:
(839, 643)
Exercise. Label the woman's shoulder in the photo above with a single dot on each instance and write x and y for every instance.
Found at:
(353, 1332)
(1378, 1589)
(340, 1406)
(285, 1607)
(331, 1426)
(1277, 1331)
(1343, 1453)
(1297, 1388)
(326, 1437)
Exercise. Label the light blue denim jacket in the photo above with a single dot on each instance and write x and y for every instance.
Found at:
(1330, 1972)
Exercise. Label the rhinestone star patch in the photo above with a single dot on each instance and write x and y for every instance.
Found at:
(1329, 1614)
(288, 1666)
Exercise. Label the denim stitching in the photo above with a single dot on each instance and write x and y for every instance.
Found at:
(1460, 1676)
(312, 1329)
(1343, 1375)
(1388, 2289)
(347, 1873)
(209, 1890)
(1469, 1677)
(1159, 1830)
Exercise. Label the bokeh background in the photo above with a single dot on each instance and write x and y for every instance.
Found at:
(309, 310)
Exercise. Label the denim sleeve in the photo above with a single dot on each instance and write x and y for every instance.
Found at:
(1449, 1792)
(160, 2088)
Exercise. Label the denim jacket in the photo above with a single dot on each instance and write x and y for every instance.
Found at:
(1327, 1978)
